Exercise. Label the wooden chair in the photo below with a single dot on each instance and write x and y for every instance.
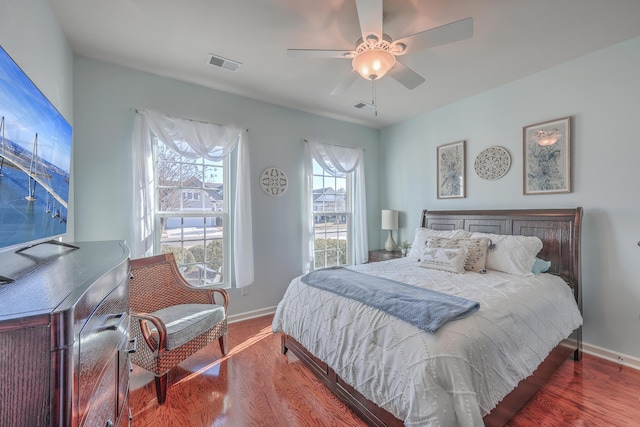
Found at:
(170, 319)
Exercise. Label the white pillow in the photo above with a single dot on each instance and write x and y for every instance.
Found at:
(477, 257)
(451, 260)
(511, 254)
(423, 234)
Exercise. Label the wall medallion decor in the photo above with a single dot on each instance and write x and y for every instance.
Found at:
(492, 163)
(451, 170)
(273, 181)
(547, 157)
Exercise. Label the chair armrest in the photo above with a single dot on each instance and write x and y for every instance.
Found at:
(143, 319)
(225, 297)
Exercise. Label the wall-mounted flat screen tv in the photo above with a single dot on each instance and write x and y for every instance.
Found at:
(35, 159)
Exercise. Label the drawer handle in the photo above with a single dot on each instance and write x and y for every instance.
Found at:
(113, 326)
(109, 423)
(133, 345)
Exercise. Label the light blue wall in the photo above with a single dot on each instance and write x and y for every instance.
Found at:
(31, 35)
(104, 94)
(601, 92)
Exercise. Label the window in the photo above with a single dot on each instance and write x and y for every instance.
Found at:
(331, 217)
(192, 211)
(334, 224)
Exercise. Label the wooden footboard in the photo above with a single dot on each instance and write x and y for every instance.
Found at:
(525, 390)
(366, 409)
(376, 416)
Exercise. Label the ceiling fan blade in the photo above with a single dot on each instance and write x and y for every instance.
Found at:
(448, 33)
(345, 83)
(405, 76)
(318, 53)
(370, 17)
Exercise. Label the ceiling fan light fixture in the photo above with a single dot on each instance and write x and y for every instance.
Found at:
(373, 64)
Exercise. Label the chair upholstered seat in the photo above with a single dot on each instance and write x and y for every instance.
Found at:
(184, 322)
(171, 319)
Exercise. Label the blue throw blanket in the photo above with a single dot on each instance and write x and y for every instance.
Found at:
(423, 308)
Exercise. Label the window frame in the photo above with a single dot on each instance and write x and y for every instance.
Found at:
(348, 213)
(180, 214)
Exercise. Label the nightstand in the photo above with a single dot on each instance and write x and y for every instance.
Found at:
(383, 255)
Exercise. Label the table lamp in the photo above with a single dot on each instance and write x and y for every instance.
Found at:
(389, 222)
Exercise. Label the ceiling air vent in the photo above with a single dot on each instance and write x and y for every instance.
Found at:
(220, 62)
(364, 106)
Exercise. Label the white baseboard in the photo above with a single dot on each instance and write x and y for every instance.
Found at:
(251, 314)
(603, 353)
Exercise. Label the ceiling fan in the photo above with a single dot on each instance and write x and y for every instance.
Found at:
(376, 54)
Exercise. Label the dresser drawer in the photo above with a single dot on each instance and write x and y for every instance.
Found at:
(101, 411)
(100, 342)
(124, 369)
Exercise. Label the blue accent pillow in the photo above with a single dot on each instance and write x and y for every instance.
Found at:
(540, 266)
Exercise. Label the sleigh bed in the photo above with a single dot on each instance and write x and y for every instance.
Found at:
(382, 381)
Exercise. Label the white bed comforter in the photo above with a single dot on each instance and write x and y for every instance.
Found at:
(453, 377)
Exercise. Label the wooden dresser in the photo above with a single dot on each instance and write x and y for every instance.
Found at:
(64, 336)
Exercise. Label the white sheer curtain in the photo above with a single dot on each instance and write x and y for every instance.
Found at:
(335, 159)
(192, 139)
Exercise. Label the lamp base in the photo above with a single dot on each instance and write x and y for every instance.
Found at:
(390, 244)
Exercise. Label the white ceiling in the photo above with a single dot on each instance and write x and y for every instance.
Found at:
(512, 39)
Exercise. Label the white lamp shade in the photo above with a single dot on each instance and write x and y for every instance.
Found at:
(389, 220)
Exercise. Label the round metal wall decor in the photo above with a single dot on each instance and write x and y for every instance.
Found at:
(273, 181)
(492, 163)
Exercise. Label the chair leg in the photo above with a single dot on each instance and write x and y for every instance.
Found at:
(161, 388)
(224, 344)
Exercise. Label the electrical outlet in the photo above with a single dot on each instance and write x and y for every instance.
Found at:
(244, 291)
(620, 359)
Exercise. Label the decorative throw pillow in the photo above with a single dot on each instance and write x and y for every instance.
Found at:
(511, 254)
(422, 234)
(540, 266)
(477, 248)
(451, 260)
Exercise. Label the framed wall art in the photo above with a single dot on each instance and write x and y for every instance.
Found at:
(451, 165)
(547, 157)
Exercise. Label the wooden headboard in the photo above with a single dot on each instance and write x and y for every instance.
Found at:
(559, 230)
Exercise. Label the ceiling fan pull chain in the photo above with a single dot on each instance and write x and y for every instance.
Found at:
(373, 97)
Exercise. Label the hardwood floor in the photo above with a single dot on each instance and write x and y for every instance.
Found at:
(256, 385)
